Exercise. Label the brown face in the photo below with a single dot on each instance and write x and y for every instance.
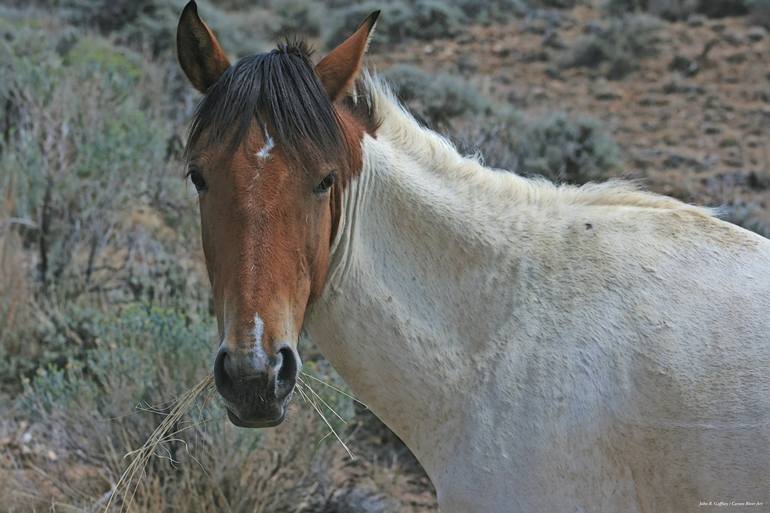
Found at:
(266, 231)
(267, 223)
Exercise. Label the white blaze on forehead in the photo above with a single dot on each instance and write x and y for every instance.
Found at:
(264, 152)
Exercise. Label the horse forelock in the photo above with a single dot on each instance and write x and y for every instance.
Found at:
(280, 92)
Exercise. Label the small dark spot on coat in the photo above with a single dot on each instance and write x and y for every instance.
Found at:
(589, 226)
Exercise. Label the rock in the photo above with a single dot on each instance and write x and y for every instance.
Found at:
(684, 65)
(653, 100)
(535, 56)
(728, 142)
(465, 38)
(696, 20)
(593, 27)
(536, 27)
(733, 38)
(466, 65)
(539, 93)
(718, 27)
(675, 87)
(500, 49)
(736, 58)
(605, 94)
(552, 39)
(675, 161)
(755, 34)
(553, 72)
(733, 158)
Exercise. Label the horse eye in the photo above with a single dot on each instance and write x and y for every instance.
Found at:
(197, 180)
(325, 184)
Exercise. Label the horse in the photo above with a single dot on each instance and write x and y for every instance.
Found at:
(538, 347)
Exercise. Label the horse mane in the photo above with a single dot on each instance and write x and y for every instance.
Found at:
(281, 91)
(375, 98)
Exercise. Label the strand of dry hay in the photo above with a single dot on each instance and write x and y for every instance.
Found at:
(309, 400)
(162, 434)
(168, 430)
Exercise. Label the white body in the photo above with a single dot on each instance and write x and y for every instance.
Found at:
(545, 349)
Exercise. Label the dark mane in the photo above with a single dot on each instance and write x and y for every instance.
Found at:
(279, 90)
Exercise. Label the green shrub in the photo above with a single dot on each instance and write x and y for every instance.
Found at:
(751, 216)
(428, 19)
(497, 11)
(96, 409)
(435, 98)
(618, 46)
(399, 20)
(97, 57)
(560, 147)
(301, 18)
(150, 25)
(567, 149)
(721, 8)
(88, 166)
(129, 354)
(557, 4)
(760, 13)
(679, 9)
(102, 209)
(491, 11)
(668, 9)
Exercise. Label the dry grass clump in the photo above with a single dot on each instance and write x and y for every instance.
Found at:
(167, 431)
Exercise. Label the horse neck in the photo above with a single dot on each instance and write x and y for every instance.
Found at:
(391, 320)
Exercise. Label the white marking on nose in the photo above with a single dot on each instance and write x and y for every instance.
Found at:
(269, 144)
(259, 330)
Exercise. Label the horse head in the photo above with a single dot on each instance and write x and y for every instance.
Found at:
(270, 149)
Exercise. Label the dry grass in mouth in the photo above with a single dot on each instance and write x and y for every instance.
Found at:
(165, 432)
(169, 429)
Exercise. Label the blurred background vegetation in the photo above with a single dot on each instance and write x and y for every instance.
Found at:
(105, 314)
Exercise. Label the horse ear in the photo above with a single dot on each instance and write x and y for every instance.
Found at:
(339, 69)
(200, 55)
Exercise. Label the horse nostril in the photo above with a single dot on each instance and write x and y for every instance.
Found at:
(221, 378)
(287, 367)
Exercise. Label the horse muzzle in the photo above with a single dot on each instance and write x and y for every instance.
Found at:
(256, 389)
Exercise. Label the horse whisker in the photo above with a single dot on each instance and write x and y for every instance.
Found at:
(324, 383)
(306, 385)
(318, 410)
